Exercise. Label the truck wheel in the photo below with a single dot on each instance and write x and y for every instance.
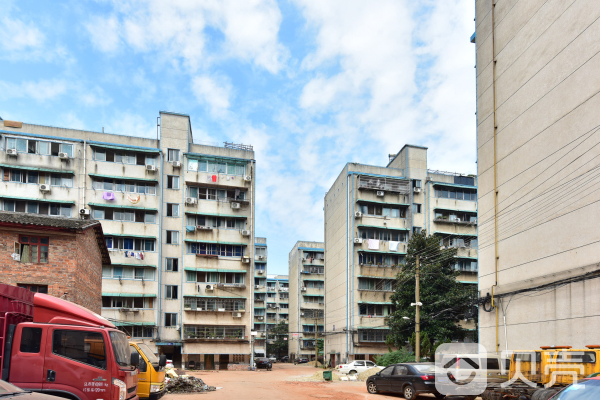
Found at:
(547, 394)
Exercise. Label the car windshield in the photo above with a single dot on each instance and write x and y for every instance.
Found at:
(120, 347)
(148, 353)
(6, 387)
(425, 368)
(584, 390)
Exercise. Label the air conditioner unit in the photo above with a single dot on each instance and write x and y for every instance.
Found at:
(191, 200)
(246, 260)
(261, 257)
(380, 193)
(302, 314)
(357, 214)
(428, 179)
(11, 152)
(321, 304)
(235, 205)
(357, 241)
(151, 168)
(220, 309)
(44, 188)
(257, 287)
(210, 287)
(63, 156)
(176, 164)
(303, 289)
(84, 211)
(204, 228)
(417, 190)
(236, 315)
(245, 232)
(260, 271)
(248, 178)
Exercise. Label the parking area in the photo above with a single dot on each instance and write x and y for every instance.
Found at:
(278, 384)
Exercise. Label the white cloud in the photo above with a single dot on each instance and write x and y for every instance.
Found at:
(41, 90)
(130, 124)
(72, 121)
(208, 91)
(16, 35)
(104, 33)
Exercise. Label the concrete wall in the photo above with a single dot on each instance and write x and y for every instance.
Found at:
(543, 98)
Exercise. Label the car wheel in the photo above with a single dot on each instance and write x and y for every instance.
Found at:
(352, 373)
(372, 388)
(409, 392)
(439, 396)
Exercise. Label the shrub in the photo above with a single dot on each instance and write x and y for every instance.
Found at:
(398, 356)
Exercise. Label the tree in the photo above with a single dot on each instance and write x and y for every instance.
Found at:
(445, 300)
(280, 344)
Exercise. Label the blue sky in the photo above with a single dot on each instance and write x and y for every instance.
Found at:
(311, 84)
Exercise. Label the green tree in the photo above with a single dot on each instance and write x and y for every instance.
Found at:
(279, 333)
(444, 299)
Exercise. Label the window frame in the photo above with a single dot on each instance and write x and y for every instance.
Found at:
(38, 243)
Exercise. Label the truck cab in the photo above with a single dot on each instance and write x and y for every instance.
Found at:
(151, 377)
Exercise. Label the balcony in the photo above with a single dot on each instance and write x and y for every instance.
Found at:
(271, 288)
(455, 221)
(284, 289)
(401, 186)
(214, 333)
(384, 247)
(232, 285)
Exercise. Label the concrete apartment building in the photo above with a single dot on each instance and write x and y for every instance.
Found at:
(260, 296)
(370, 213)
(62, 257)
(306, 263)
(178, 219)
(537, 139)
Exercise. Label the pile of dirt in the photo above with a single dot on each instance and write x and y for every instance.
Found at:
(316, 377)
(363, 376)
(187, 384)
(314, 364)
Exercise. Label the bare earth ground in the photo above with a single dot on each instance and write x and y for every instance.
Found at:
(278, 384)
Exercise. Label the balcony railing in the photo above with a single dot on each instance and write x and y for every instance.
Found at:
(270, 289)
(214, 332)
(284, 289)
(457, 221)
(401, 186)
(232, 285)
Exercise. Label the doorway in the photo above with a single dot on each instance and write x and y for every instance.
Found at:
(209, 361)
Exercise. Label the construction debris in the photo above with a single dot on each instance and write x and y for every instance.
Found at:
(187, 384)
(314, 364)
(363, 376)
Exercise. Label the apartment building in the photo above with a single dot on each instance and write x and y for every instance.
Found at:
(306, 263)
(537, 142)
(370, 213)
(178, 219)
(260, 296)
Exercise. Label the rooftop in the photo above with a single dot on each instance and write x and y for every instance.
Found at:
(42, 220)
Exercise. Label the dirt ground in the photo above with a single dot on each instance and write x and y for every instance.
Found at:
(278, 385)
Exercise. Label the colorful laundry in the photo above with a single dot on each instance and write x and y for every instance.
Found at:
(108, 196)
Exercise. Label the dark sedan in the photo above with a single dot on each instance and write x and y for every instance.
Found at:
(263, 362)
(409, 379)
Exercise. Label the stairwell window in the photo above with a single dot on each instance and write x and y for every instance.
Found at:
(171, 292)
(172, 237)
(172, 264)
(170, 320)
(172, 182)
(173, 155)
(416, 208)
(172, 210)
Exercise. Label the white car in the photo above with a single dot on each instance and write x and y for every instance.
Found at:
(357, 367)
(273, 359)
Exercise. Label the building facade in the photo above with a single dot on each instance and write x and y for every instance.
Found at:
(537, 144)
(62, 257)
(260, 296)
(178, 219)
(370, 213)
(306, 263)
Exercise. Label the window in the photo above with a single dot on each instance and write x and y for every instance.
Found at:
(171, 319)
(172, 237)
(127, 302)
(138, 332)
(171, 292)
(212, 304)
(416, 229)
(374, 335)
(41, 147)
(126, 243)
(416, 183)
(33, 249)
(213, 249)
(172, 210)
(205, 193)
(375, 310)
(34, 288)
(140, 273)
(82, 346)
(416, 208)
(456, 193)
(123, 157)
(172, 182)
(172, 264)
(378, 210)
(384, 260)
(124, 186)
(215, 222)
(383, 234)
(216, 165)
(31, 339)
(173, 155)
(35, 177)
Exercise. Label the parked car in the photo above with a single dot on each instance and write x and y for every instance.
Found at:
(409, 379)
(9, 391)
(356, 367)
(584, 389)
(301, 360)
(263, 362)
(273, 359)
(285, 359)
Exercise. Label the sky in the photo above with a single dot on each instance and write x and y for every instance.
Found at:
(310, 84)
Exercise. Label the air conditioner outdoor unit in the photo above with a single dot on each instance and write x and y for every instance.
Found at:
(257, 287)
(357, 214)
(236, 315)
(245, 232)
(261, 257)
(260, 318)
(302, 314)
(44, 188)
(84, 211)
(380, 193)
(11, 152)
(63, 156)
(246, 260)
(303, 289)
(260, 272)
(235, 205)
(248, 178)
(417, 190)
(204, 228)
(191, 200)
(357, 241)
(428, 179)
(151, 168)
(176, 164)
(210, 287)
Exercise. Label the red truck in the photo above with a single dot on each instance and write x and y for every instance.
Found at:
(56, 347)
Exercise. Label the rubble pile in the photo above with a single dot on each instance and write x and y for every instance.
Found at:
(363, 376)
(187, 384)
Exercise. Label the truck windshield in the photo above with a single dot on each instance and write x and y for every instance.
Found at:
(120, 347)
(148, 353)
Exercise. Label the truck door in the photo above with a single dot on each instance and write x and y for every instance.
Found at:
(145, 374)
(27, 359)
(77, 362)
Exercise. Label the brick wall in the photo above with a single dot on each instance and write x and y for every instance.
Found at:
(74, 266)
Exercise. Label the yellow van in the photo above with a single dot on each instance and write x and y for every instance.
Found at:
(151, 379)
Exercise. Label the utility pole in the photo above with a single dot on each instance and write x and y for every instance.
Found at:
(417, 318)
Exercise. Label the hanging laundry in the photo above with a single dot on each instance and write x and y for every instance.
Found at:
(137, 255)
(208, 178)
(108, 196)
(394, 246)
(214, 178)
(126, 254)
(237, 193)
(133, 199)
(190, 228)
(373, 244)
(141, 256)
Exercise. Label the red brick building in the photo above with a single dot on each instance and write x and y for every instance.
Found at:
(59, 256)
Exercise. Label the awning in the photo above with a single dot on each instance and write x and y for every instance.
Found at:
(376, 277)
(311, 249)
(374, 327)
(453, 234)
(215, 242)
(468, 282)
(382, 227)
(260, 244)
(124, 178)
(313, 280)
(313, 295)
(129, 236)
(216, 297)
(376, 302)
(126, 148)
(129, 207)
(259, 351)
(454, 185)
(380, 251)
(129, 294)
(57, 171)
(382, 202)
(239, 271)
(37, 199)
(217, 215)
(132, 265)
(125, 323)
(455, 210)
